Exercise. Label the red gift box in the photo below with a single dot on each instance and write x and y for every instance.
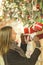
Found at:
(38, 26)
(40, 36)
(31, 30)
(26, 31)
(39, 23)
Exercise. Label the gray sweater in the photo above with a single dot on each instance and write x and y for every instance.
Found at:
(12, 57)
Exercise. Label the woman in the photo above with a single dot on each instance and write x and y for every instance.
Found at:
(12, 56)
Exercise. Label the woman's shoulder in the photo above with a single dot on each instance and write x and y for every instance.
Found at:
(10, 56)
(11, 53)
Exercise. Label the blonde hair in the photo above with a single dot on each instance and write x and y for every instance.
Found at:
(5, 38)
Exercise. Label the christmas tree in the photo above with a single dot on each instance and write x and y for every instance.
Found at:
(28, 11)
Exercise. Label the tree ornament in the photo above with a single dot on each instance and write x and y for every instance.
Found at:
(20, 4)
(28, 16)
(38, 6)
(41, 15)
(11, 0)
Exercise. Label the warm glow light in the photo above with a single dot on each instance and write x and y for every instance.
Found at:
(1, 12)
(0, 2)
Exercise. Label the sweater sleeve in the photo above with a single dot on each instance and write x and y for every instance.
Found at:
(14, 58)
(32, 60)
(34, 56)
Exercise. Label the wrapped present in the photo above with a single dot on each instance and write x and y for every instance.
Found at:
(26, 30)
(31, 30)
(38, 26)
(35, 28)
(40, 36)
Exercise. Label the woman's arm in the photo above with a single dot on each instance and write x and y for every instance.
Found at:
(34, 56)
(32, 60)
(37, 51)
